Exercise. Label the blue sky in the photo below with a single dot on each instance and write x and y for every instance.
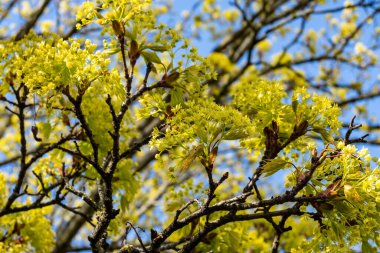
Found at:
(205, 46)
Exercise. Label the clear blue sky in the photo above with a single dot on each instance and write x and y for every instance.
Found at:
(205, 46)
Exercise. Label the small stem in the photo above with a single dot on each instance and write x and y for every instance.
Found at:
(126, 71)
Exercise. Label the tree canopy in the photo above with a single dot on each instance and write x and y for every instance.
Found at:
(216, 126)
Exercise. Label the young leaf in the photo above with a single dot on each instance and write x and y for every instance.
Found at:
(366, 247)
(274, 165)
(131, 34)
(213, 155)
(118, 28)
(193, 153)
(157, 48)
(326, 136)
(150, 57)
(176, 96)
(294, 105)
(172, 77)
(111, 51)
(123, 204)
(351, 194)
(46, 130)
(235, 134)
(174, 205)
(134, 47)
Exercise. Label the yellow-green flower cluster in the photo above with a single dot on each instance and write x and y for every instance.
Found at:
(231, 15)
(221, 61)
(51, 67)
(264, 46)
(317, 110)
(262, 101)
(352, 188)
(47, 66)
(122, 11)
(202, 121)
(26, 232)
(265, 101)
(259, 99)
(86, 12)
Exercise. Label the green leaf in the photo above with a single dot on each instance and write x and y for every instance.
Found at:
(65, 75)
(64, 71)
(274, 165)
(316, 182)
(170, 66)
(157, 48)
(176, 96)
(366, 247)
(351, 194)
(191, 74)
(172, 77)
(337, 230)
(154, 69)
(174, 205)
(235, 134)
(150, 57)
(344, 208)
(111, 51)
(192, 70)
(131, 34)
(309, 190)
(123, 204)
(130, 184)
(326, 136)
(294, 105)
(193, 153)
(46, 130)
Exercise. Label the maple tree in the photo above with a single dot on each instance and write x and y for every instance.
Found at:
(117, 135)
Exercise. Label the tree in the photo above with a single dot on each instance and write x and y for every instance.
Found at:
(117, 135)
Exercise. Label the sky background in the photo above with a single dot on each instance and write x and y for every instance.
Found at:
(205, 45)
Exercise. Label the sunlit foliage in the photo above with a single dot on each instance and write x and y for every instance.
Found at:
(119, 123)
